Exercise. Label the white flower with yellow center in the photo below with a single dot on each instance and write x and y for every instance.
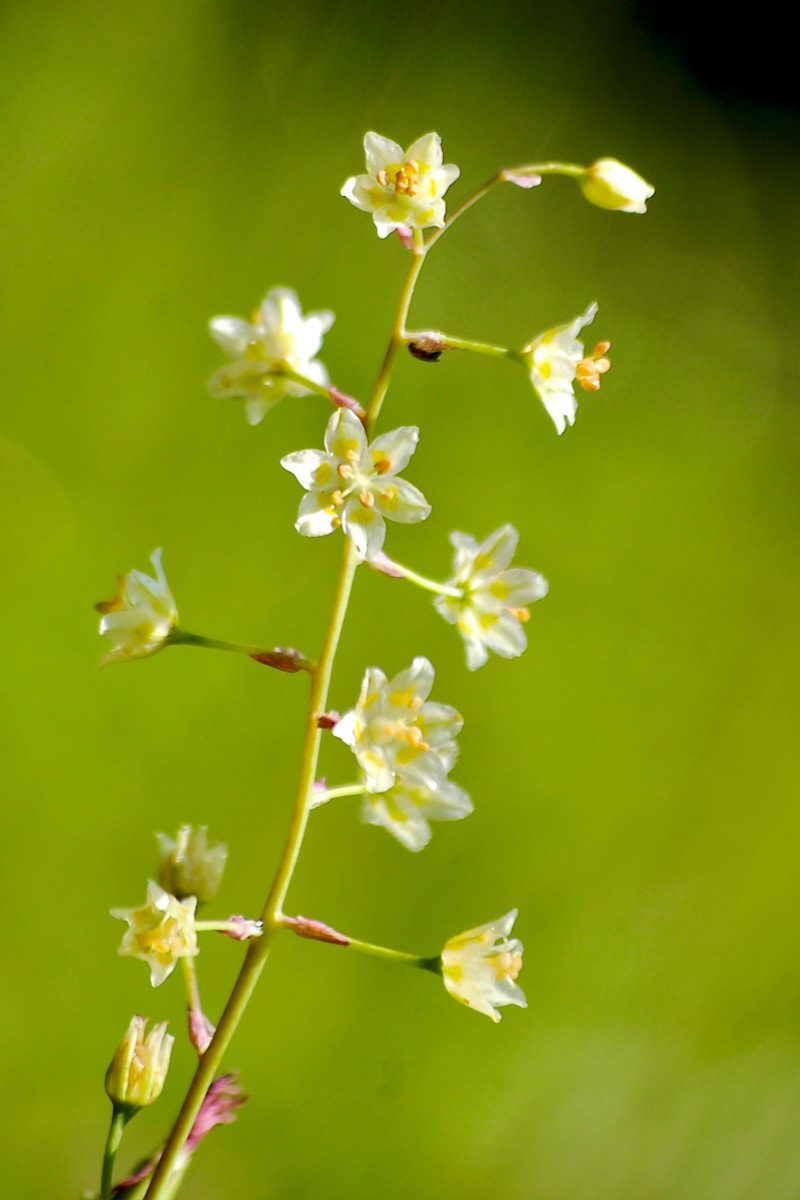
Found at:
(355, 485)
(141, 617)
(480, 967)
(160, 932)
(492, 608)
(402, 187)
(609, 184)
(280, 338)
(397, 734)
(555, 360)
(406, 809)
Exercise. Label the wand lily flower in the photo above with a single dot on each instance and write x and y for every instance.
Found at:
(396, 733)
(160, 932)
(279, 340)
(140, 619)
(492, 608)
(609, 184)
(402, 188)
(355, 485)
(407, 808)
(555, 360)
(480, 967)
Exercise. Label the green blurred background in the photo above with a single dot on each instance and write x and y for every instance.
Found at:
(634, 775)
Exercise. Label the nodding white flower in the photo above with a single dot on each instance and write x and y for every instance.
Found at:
(397, 734)
(407, 808)
(609, 184)
(480, 967)
(491, 610)
(402, 188)
(139, 1067)
(355, 485)
(141, 617)
(188, 866)
(160, 932)
(280, 338)
(555, 360)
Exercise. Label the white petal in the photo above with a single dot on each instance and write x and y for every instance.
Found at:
(397, 446)
(304, 465)
(399, 500)
(426, 149)
(231, 334)
(314, 520)
(365, 527)
(345, 433)
(381, 152)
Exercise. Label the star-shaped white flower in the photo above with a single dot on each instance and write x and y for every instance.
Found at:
(279, 338)
(491, 610)
(355, 485)
(160, 932)
(141, 617)
(610, 184)
(396, 733)
(555, 360)
(480, 967)
(402, 187)
(406, 809)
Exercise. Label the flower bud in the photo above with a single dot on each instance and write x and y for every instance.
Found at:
(139, 1067)
(188, 866)
(609, 184)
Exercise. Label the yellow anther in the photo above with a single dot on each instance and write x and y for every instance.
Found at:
(337, 498)
(344, 471)
(367, 499)
(383, 465)
(382, 178)
(522, 614)
(589, 369)
(352, 455)
(507, 965)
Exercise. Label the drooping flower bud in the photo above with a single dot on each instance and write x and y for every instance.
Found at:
(609, 184)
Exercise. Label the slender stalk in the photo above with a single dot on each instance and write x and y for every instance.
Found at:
(180, 637)
(350, 789)
(398, 956)
(272, 915)
(448, 342)
(430, 585)
(118, 1122)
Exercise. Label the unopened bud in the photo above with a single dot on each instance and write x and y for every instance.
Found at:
(139, 1067)
(188, 866)
(609, 184)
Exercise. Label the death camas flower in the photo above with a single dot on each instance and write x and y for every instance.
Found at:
(491, 610)
(405, 747)
(402, 187)
(160, 932)
(141, 617)
(555, 360)
(480, 967)
(355, 485)
(280, 338)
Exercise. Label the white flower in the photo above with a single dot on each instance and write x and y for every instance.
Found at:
(160, 932)
(555, 360)
(139, 1067)
(189, 866)
(141, 617)
(406, 809)
(491, 610)
(609, 184)
(479, 967)
(402, 187)
(280, 338)
(396, 733)
(354, 485)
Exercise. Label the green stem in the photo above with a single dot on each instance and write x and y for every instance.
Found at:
(119, 1119)
(259, 949)
(430, 585)
(350, 789)
(220, 927)
(448, 342)
(329, 393)
(180, 637)
(399, 956)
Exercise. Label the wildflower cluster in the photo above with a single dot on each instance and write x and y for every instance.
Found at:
(403, 743)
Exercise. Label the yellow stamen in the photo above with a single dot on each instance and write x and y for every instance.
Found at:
(367, 499)
(344, 471)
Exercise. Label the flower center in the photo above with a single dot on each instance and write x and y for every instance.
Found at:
(507, 965)
(403, 177)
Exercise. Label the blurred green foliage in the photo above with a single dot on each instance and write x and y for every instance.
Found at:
(634, 775)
